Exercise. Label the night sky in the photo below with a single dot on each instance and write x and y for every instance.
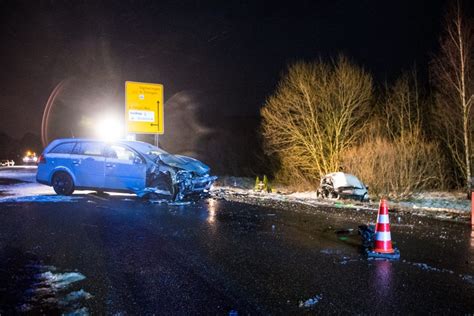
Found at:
(228, 54)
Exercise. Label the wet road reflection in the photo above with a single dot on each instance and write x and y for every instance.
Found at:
(382, 281)
(212, 208)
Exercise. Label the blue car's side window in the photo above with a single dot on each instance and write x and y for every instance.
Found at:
(65, 148)
(121, 153)
(89, 149)
(77, 149)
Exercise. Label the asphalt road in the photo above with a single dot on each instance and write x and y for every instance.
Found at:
(121, 256)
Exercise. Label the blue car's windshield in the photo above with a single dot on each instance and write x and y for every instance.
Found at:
(152, 152)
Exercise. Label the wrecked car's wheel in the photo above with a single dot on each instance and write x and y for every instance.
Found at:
(63, 183)
(333, 195)
(324, 194)
(173, 188)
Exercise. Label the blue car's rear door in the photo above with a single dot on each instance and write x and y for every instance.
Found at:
(88, 164)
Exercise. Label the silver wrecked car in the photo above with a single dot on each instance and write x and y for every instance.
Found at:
(342, 185)
(121, 166)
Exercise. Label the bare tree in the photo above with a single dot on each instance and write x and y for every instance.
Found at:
(317, 112)
(395, 158)
(452, 72)
(402, 106)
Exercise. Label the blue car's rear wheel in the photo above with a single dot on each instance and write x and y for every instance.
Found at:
(63, 183)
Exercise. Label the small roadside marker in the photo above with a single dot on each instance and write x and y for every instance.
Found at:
(472, 210)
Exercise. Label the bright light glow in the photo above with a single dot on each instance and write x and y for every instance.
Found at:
(109, 129)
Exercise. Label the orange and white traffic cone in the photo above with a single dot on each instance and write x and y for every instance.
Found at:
(383, 240)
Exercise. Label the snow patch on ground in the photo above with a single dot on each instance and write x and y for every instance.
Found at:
(29, 190)
(23, 173)
(58, 281)
(311, 302)
(426, 267)
(331, 251)
(75, 296)
(304, 195)
(49, 291)
(438, 201)
(41, 199)
(468, 278)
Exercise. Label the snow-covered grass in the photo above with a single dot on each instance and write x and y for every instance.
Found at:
(427, 202)
(438, 201)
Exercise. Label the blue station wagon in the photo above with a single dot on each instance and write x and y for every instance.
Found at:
(121, 166)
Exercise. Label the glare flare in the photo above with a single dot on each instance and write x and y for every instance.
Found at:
(109, 129)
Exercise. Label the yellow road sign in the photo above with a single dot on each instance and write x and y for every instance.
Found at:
(144, 108)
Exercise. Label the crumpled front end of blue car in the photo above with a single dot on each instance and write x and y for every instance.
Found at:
(189, 184)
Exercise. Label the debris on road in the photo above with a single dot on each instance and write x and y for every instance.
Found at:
(345, 231)
(179, 203)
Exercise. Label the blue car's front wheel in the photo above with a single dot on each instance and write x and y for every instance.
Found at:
(63, 183)
(175, 190)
